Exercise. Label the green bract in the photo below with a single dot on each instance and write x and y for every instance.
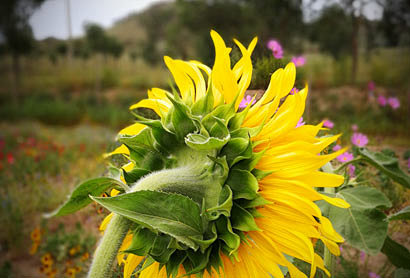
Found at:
(192, 192)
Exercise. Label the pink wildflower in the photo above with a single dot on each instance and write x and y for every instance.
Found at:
(299, 60)
(381, 100)
(245, 101)
(328, 124)
(351, 171)
(345, 157)
(408, 163)
(373, 275)
(301, 122)
(355, 127)
(359, 139)
(371, 86)
(294, 91)
(336, 148)
(393, 102)
(362, 254)
(276, 48)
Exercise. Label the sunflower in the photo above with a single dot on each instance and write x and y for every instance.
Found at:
(211, 190)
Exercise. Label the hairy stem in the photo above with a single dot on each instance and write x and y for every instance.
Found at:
(107, 250)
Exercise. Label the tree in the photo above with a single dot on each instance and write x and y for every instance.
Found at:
(17, 33)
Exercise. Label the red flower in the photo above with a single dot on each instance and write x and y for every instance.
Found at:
(10, 158)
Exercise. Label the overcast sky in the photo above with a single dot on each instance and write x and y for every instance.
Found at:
(51, 18)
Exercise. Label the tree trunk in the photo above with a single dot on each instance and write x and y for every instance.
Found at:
(16, 69)
(355, 33)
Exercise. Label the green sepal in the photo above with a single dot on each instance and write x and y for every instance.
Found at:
(182, 119)
(209, 237)
(237, 149)
(215, 261)
(224, 205)
(387, 164)
(142, 242)
(172, 265)
(199, 261)
(257, 202)
(142, 152)
(250, 164)
(227, 235)
(134, 175)
(165, 139)
(201, 142)
(242, 219)
(224, 112)
(260, 174)
(237, 120)
(160, 251)
(243, 184)
(169, 213)
(205, 104)
(79, 198)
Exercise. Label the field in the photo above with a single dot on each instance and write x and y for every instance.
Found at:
(56, 135)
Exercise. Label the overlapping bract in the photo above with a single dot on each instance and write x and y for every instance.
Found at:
(267, 172)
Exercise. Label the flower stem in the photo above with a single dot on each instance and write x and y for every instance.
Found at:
(106, 251)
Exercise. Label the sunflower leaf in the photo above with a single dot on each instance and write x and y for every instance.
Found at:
(397, 254)
(387, 164)
(172, 214)
(403, 214)
(362, 225)
(79, 198)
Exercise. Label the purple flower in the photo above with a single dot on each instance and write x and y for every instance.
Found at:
(362, 254)
(276, 48)
(382, 100)
(371, 86)
(294, 91)
(336, 148)
(355, 127)
(328, 123)
(301, 122)
(359, 139)
(345, 157)
(373, 275)
(351, 171)
(299, 60)
(393, 102)
(341, 248)
(245, 101)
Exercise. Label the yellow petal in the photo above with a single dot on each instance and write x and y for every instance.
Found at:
(120, 150)
(133, 129)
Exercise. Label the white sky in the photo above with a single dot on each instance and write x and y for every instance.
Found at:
(51, 18)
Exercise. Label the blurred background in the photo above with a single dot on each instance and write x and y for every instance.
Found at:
(69, 70)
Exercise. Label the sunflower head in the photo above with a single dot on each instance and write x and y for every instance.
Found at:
(216, 191)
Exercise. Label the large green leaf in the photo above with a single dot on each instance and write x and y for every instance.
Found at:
(364, 197)
(397, 253)
(387, 164)
(362, 225)
(79, 198)
(169, 213)
(404, 214)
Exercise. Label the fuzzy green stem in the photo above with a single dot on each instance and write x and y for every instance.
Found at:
(194, 182)
(107, 250)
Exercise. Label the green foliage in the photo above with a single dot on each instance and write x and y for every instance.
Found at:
(387, 164)
(403, 214)
(398, 255)
(100, 42)
(80, 196)
(263, 70)
(363, 225)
